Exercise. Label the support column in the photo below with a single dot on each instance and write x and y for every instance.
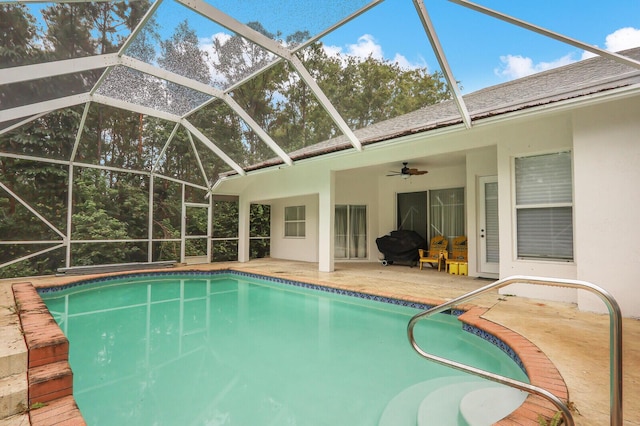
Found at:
(244, 217)
(326, 213)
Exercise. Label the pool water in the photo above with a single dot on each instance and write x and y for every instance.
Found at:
(228, 349)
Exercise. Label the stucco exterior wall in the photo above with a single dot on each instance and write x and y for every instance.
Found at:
(479, 163)
(303, 249)
(606, 151)
(607, 197)
(542, 135)
(352, 187)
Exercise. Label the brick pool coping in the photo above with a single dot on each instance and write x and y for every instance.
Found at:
(51, 380)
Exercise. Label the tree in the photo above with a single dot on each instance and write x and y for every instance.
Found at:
(110, 204)
(97, 205)
(182, 55)
(68, 30)
(260, 226)
(372, 90)
(18, 35)
(18, 46)
(234, 59)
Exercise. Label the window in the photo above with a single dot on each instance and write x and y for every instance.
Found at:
(446, 213)
(412, 212)
(294, 222)
(350, 232)
(433, 212)
(544, 206)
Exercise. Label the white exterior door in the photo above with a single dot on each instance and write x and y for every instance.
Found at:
(488, 238)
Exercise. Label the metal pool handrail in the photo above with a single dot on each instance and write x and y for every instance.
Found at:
(615, 343)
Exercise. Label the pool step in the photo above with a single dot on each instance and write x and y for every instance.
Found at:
(13, 360)
(472, 403)
(453, 401)
(46, 343)
(402, 410)
(58, 412)
(13, 395)
(50, 382)
(487, 405)
(50, 379)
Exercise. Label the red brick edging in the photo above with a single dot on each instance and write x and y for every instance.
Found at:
(49, 375)
(538, 367)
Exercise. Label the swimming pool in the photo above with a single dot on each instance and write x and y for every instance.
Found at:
(224, 349)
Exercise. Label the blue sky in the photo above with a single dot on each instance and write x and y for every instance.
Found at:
(483, 51)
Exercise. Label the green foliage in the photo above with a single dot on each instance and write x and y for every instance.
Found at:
(224, 251)
(260, 226)
(259, 249)
(35, 266)
(556, 420)
(18, 35)
(20, 269)
(109, 204)
(225, 218)
(260, 220)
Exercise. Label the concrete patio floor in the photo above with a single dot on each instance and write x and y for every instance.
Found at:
(576, 342)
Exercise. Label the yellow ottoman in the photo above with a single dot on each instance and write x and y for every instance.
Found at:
(463, 268)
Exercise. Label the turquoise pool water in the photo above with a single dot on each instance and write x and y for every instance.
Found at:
(229, 349)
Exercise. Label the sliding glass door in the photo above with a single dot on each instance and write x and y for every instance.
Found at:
(431, 213)
(412, 212)
(446, 213)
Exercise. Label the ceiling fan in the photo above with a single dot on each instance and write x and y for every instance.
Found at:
(406, 172)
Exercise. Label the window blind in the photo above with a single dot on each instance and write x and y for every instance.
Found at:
(544, 214)
(544, 179)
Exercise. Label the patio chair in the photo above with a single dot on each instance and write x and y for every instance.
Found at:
(457, 261)
(437, 252)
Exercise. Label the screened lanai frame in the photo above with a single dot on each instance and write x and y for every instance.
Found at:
(197, 95)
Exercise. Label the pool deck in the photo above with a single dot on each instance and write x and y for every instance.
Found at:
(576, 342)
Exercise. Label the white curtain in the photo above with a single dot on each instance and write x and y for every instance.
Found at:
(340, 249)
(446, 213)
(358, 232)
(350, 232)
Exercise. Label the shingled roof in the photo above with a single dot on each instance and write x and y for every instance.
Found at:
(571, 81)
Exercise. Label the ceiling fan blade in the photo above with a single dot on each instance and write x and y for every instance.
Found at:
(406, 171)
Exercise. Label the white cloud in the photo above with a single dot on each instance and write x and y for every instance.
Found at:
(517, 66)
(332, 50)
(206, 45)
(367, 46)
(624, 38)
(405, 64)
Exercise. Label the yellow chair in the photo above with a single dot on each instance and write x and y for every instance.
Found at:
(457, 263)
(437, 252)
